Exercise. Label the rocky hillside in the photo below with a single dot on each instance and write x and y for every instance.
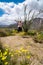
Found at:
(37, 24)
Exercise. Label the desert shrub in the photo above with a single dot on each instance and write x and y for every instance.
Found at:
(2, 34)
(13, 32)
(23, 33)
(40, 32)
(31, 32)
(7, 32)
(39, 37)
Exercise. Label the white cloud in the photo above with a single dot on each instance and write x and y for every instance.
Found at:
(14, 11)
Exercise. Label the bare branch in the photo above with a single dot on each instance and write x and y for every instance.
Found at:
(29, 13)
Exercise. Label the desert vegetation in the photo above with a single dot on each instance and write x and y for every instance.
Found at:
(28, 53)
(37, 35)
(7, 32)
(25, 54)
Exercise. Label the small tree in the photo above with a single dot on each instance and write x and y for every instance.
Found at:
(27, 23)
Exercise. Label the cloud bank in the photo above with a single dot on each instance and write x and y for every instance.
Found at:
(14, 11)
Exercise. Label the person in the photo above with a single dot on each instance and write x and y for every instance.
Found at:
(19, 26)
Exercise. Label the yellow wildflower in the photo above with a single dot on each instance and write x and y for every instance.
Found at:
(28, 56)
(19, 51)
(5, 53)
(4, 57)
(23, 50)
(6, 63)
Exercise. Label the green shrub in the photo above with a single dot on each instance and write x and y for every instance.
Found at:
(39, 37)
(22, 33)
(7, 32)
(13, 32)
(2, 34)
(31, 32)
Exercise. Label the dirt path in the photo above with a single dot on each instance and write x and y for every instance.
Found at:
(35, 48)
(14, 41)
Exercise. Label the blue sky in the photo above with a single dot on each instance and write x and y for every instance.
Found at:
(1, 12)
(16, 1)
(11, 10)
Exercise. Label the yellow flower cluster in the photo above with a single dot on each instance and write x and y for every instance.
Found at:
(5, 53)
(22, 52)
(3, 56)
(6, 63)
(28, 56)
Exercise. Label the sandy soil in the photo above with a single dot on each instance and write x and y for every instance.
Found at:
(35, 48)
